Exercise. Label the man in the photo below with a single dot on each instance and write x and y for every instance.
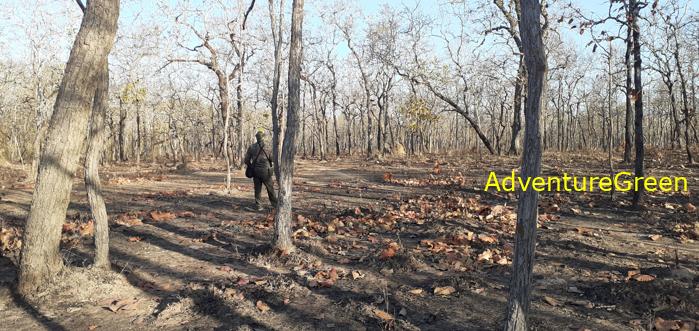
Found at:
(260, 161)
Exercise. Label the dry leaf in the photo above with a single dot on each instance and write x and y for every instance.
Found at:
(487, 239)
(690, 208)
(444, 290)
(437, 169)
(128, 221)
(389, 251)
(383, 315)
(225, 268)
(263, 307)
(357, 275)
(673, 325)
(655, 237)
(121, 305)
(416, 291)
(551, 301)
(134, 239)
(485, 256)
(643, 278)
(162, 216)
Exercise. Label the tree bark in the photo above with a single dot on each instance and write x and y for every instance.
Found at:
(629, 112)
(516, 119)
(283, 220)
(40, 256)
(685, 102)
(527, 209)
(93, 156)
(122, 128)
(638, 104)
(274, 101)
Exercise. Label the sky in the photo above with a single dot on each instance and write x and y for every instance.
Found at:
(64, 15)
(63, 18)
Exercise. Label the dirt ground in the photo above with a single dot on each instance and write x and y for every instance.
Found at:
(393, 244)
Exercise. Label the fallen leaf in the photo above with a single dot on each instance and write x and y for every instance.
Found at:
(387, 176)
(444, 290)
(437, 169)
(383, 315)
(134, 239)
(643, 278)
(263, 307)
(690, 208)
(225, 268)
(121, 304)
(128, 221)
(162, 216)
(551, 301)
(416, 291)
(485, 256)
(357, 275)
(487, 239)
(655, 237)
(673, 325)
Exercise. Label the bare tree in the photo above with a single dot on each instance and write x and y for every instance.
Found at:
(635, 8)
(40, 258)
(95, 146)
(527, 207)
(277, 37)
(283, 220)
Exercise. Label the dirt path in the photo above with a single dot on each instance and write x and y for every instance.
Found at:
(203, 265)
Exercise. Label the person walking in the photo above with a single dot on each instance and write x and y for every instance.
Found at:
(259, 168)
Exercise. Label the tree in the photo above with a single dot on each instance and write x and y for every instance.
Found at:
(277, 37)
(214, 64)
(95, 142)
(40, 258)
(635, 8)
(512, 23)
(527, 206)
(95, 147)
(283, 220)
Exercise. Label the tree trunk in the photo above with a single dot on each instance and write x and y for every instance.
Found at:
(516, 119)
(629, 100)
(638, 105)
(122, 128)
(239, 123)
(274, 102)
(138, 134)
(527, 209)
(93, 156)
(685, 102)
(283, 220)
(38, 142)
(40, 257)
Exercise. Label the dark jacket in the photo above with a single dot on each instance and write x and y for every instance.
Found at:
(260, 160)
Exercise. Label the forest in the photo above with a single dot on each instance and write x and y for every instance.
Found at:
(349, 165)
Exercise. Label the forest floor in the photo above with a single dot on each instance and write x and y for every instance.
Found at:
(393, 244)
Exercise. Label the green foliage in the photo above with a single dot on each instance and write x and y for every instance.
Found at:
(133, 93)
(417, 112)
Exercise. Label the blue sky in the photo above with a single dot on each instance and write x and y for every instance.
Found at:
(64, 15)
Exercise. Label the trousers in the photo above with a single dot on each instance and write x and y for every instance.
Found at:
(269, 185)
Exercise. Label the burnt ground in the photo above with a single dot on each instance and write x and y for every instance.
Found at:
(394, 244)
